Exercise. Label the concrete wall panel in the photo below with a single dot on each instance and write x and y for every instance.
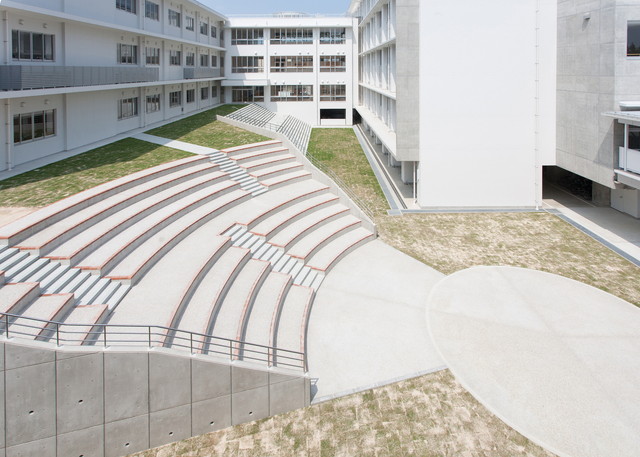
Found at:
(209, 380)
(169, 382)
(126, 385)
(80, 398)
(284, 396)
(86, 443)
(37, 448)
(244, 379)
(250, 405)
(126, 436)
(22, 356)
(170, 425)
(210, 415)
(31, 403)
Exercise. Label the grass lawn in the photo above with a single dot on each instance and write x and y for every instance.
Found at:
(53, 182)
(203, 129)
(430, 416)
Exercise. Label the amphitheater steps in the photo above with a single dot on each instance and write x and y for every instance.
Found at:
(289, 327)
(134, 266)
(81, 244)
(17, 231)
(14, 297)
(256, 328)
(239, 299)
(326, 258)
(45, 308)
(246, 157)
(269, 144)
(288, 236)
(276, 170)
(84, 320)
(316, 239)
(212, 290)
(280, 220)
(55, 234)
(286, 179)
(272, 160)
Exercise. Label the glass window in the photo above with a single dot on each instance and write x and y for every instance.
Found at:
(127, 5)
(333, 63)
(16, 129)
(25, 45)
(127, 108)
(280, 64)
(633, 39)
(33, 126)
(191, 95)
(332, 36)
(333, 93)
(48, 47)
(214, 61)
(50, 122)
(189, 23)
(190, 59)
(214, 91)
(31, 46)
(153, 103)
(291, 36)
(247, 64)
(127, 54)
(175, 99)
(300, 93)
(26, 127)
(204, 28)
(153, 56)
(247, 36)
(214, 31)
(174, 18)
(204, 93)
(152, 10)
(204, 60)
(175, 58)
(37, 50)
(247, 94)
(38, 125)
(15, 44)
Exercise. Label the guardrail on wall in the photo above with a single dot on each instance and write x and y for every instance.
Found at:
(149, 336)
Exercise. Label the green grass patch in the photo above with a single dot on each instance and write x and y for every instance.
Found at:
(339, 151)
(53, 182)
(204, 130)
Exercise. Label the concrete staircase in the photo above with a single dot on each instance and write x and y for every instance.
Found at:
(234, 245)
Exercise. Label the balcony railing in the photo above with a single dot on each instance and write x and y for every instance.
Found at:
(21, 77)
(629, 160)
(201, 73)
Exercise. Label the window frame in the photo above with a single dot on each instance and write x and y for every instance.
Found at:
(636, 52)
(152, 56)
(131, 55)
(190, 96)
(247, 36)
(334, 61)
(49, 118)
(128, 108)
(153, 101)
(173, 18)
(334, 35)
(18, 52)
(204, 93)
(247, 64)
(333, 93)
(294, 91)
(175, 98)
(190, 23)
(286, 36)
(204, 26)
(291, 64)
(151, 10)
(173, 55)
(128, 6)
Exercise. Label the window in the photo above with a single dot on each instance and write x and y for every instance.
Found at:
(221, 36)
(151, 10)
(153, 103)
(127, 108)
(247, 94)
(191, 95)
(291, 93)
(291, 36)
(333, 63)
(214, 91)
(204, 93)
(249, 64)
(175, 99)
(332, 36)
(633, 39)
(127, 5)
(204, 60)
(190, 59)
(204, 28)
(153, 56)
(333, 93)
(34, 126)
(127, 54)
(214, 61)
(174, 18)
(247, 36)
(175, 58)
(189, 23)
(281, 64)
(214, 31)
(31, 46)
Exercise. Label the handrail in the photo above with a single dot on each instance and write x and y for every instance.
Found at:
(149, 336)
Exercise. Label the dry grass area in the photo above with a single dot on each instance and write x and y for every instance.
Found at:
(430, 416)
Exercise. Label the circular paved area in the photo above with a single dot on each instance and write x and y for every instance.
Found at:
(556, 359)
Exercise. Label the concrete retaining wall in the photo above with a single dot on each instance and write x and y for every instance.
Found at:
(95, 402)
(315, 172)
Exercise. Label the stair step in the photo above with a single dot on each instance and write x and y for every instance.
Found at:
(44, 308)
(59, 278)
(14, 259)
(117, 297)
(19, 267)
(78, 279)
(100, 292)
(15, 297)
(25, 274)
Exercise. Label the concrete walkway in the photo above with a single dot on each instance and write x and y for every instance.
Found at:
(555, 359)
(367, 324)
(619, 231)
(175, 144)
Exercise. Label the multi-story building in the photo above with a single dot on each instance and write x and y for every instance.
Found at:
(293, 63)
(76, 72)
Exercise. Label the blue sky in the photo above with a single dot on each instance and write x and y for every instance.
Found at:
(271, 6)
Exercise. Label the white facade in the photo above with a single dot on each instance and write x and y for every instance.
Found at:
(302, 66)
(113, 67)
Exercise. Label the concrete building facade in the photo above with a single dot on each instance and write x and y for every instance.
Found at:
(74, 72)
(295, 64)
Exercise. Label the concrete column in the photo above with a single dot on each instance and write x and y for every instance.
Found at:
(600, 195)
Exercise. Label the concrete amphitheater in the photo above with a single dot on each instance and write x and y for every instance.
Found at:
(237, 284)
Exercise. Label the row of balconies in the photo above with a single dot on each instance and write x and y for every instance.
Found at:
(21, 77)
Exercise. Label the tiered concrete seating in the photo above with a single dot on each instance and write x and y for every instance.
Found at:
(297, 131)
(184, 246)
(253, 114)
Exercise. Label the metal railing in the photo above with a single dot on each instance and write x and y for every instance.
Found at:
(20, 77)
(148, 336)
(201, 73)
